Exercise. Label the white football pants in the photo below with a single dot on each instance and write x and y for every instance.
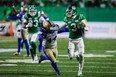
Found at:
(76, 46)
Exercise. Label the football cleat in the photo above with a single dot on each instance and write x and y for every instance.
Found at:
(80, 74)
(35, 58)
(41, 59)
(58, 72)
(16, 53)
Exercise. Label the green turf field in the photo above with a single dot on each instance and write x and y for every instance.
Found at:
(100, 60)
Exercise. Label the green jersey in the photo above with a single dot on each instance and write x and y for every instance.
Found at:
(33, 22)
(75, 31)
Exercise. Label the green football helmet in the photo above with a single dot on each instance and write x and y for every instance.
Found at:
(32, 10)
(71, 11)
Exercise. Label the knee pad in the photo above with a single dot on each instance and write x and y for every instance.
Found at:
(70, 53)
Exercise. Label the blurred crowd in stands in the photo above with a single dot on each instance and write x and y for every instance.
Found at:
(78, 3)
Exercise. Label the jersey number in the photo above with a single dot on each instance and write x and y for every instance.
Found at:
(73, 27)
(33, 23)
(52, 39)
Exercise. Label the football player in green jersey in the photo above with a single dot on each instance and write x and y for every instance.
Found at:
(77, 26)
(32, 20)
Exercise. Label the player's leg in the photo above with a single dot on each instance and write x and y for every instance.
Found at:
(24, 36)
(40, 45)
(81, 55)
(18, 42)
(43, 56)
(52, 54)
(22, 44)
(33, 46)
(71, 48)
(42, 53)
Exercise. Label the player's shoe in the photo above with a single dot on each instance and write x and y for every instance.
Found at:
(35, 58)
(80, 74)
(58, 72)
(41, 59)
(16, 53)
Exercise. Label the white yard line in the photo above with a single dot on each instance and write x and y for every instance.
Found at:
(88, 59)
(8, 64)
(90, 55)
(10, 50)
(7, 50)
(111, 51)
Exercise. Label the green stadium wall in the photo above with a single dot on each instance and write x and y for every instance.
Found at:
(92, 14)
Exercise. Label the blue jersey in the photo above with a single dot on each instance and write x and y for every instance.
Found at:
(18, 16)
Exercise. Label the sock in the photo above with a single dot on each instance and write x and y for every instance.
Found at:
(54, 65)
(22, 44)
(40, 46)
(27, 46)
(81, 63)
(33, 45)
(33, 49)
(19, 45)
(32, 55)
(44, 57)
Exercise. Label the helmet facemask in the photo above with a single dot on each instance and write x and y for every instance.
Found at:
(32, 11)
(71, 11)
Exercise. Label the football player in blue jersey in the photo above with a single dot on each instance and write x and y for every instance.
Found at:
(21, 32)
(48, 44)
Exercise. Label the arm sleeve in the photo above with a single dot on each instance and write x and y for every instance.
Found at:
(13, 17)
(56, 28)
(63, 30)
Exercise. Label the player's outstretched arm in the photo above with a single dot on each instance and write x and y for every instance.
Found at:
(58, 27)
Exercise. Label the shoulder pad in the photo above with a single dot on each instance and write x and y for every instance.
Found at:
(81, 17)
